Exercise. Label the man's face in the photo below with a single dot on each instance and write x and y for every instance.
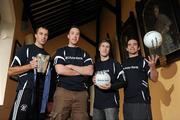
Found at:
(156, 11)
(73, 36)
(104, 49)
(41, 36)
(133, 47)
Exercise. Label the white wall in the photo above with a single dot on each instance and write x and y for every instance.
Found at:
(7, 27)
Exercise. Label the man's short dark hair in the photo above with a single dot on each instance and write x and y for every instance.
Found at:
(110, 51)
(134, 38)
(44, 27)
(106, 40)
(74, 26)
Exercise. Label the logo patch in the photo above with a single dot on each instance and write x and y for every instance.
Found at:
(24, 107)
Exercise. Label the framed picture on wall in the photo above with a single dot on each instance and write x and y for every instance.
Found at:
(161, 16)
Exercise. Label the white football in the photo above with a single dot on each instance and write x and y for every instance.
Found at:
(102, 78)
(152, 39)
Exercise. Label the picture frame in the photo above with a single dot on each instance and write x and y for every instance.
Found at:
(154, 15)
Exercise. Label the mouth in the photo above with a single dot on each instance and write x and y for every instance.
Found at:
(43, 40)
(74, 39)
(131, 49)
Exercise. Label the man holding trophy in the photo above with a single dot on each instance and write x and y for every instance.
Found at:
(31, 64)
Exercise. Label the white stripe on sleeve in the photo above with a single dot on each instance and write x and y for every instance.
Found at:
(17, 59)
(58, 57)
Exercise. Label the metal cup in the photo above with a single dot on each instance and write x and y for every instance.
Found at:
(42, 62)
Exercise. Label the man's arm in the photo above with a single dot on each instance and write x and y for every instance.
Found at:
(153, 74)
(64, 70)
(152, 64)
(83, 70)
(18, 70)
(22, 69)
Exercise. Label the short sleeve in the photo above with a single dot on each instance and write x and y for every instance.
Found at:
(120, 80)
(119, 72)
(87, 59)
(20, 57)
(146, 67)
(59, 57)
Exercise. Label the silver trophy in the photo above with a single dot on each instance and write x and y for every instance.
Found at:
(42, 62)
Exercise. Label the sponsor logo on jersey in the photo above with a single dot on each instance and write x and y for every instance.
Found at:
(73, 58)
(131, 67)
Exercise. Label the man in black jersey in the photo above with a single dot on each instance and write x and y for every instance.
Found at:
(106, 101)
(72, 65)
(136, 94)
(31, 99)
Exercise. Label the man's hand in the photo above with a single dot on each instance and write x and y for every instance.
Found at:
(34, 63)
(152, 60)
(152, 64)
(49, 107)
(105, 87)
(94, 80)
(22, 69)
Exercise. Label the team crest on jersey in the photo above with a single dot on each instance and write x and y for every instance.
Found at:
(24, 107)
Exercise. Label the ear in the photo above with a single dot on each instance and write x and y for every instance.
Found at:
(35, 35)
(126, 49)
(139, 48)
(68, 36)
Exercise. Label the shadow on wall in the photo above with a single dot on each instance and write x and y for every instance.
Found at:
(160, 94)
(168, 71)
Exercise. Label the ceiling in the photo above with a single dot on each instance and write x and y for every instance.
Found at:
(59, 15)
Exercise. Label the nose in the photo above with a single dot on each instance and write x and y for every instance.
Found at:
(44, 36)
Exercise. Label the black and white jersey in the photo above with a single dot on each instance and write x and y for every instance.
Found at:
(74, 56)
(109, 98)
(137, 73)
(28, 80)
(22, 57)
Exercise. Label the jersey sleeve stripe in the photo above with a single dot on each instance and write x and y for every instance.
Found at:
(84, 55)
(64, 53)
(114, 68)
(89, 59)
(144, 63)
(58, 57)
(27, 53)
(148, 72)
(144, 82)
(17, 59)
(120, 73)
(23, 75)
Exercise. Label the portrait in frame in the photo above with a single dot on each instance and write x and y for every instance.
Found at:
(161, 16)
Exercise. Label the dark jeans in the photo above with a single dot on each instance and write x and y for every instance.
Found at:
(105, 114)
(137, 111)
